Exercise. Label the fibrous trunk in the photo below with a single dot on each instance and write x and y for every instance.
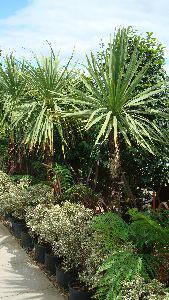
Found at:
(48, 161)
(11, 155)
(120, 190)
(115, 171)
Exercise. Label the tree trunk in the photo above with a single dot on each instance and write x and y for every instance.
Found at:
(121, 193)
(11, 155)
(48, 162)
(128, 190)
(19, 165)
(115, 171)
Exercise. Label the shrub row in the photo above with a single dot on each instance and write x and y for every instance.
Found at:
(112, 258)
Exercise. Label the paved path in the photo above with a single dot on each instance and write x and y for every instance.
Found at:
(20, 278)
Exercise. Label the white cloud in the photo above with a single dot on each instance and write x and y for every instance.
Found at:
(69, 23)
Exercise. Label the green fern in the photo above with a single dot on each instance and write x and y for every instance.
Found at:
(146, 233)
(112, 230)
(134, 250)
(123, 265)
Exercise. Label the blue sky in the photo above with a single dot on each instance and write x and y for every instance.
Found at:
(26, 24)
(9, 7)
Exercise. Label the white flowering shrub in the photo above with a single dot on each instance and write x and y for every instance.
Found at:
(140, 289)
(50, 224)
(94, 255)
(39, 194)
(70, 228)
(23, 181)
(34, 217)
(31, 197)
(11, 196)
(63, 228)
(16, 198)
(5, 182)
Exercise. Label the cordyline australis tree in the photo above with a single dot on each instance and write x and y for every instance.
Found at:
(40, 111)
(12, 90)
(114, 105)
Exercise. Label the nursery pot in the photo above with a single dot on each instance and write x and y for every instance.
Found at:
(51, 261)
(18, 227)
(40, 253)
(35, 239)
(63, 278)
(7, 216)
(12, 220)
(26, 241)
(77, 291)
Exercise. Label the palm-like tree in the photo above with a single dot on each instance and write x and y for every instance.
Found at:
(12, 91)
(113, 103)
(40, 113)
(12, 86)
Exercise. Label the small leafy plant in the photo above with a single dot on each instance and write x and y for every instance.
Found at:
(138, 289)
(17, 196)
(71, 226)
(130, 251)
(64, 175)
(83, 194)
(34, 218)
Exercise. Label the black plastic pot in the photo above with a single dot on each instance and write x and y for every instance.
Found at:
(77, 293)
(51, 261)
(7, 216)
(18, 227)
(64, 278)
(35, 239)
(26, 241)
(40, 251)
(12, 220)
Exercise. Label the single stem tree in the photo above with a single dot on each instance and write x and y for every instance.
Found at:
(41, 111)
(12, 90)
(114, 106)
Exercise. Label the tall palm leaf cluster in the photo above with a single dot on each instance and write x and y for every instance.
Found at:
(43, 106)
(12, 87)
(114, 106)
(32, 101)
(42, 102)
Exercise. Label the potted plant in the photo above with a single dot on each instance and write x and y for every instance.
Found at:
(8, 192)
(18, 227)
(40, 250)
(12, 203)
(73, 220)
(139, 288)
(48, 233)
(27, 241)
(34, 218)
(77, 291)
(51, 262)
(32, 196)
(127, 251)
